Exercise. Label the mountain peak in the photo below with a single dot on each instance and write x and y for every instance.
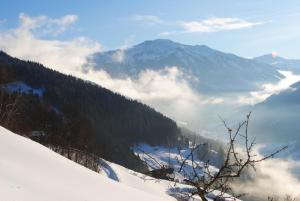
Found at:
(165, 47)
(270, 59)
(161, 43)
(167, 43)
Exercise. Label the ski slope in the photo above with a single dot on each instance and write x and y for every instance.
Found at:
(32, 172)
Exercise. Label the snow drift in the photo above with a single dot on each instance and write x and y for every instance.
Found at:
(32, 172)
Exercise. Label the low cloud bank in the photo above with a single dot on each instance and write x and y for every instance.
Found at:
(272, 178)
(269, 89)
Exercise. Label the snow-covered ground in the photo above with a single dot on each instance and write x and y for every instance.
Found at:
(32, 172)
(158, 156)
(23, 88)
(154, 186)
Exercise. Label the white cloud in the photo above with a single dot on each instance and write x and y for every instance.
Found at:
(64, 22)
(46, 25)
(119, 55)
(28, 23)
(64, 56)
(167, 90)
(147, 19)
(217, 24)
(214, 101)
(202, 26)
(271, 178)
(209, 26)
(164, 85)
(269, 89)
(181, 123)
(166, 33)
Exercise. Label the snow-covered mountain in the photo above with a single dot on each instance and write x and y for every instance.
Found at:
(280, 63)
(212, 70)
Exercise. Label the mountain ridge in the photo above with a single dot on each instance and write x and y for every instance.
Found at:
(217, 71)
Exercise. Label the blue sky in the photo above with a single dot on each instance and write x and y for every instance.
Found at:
(259, 26)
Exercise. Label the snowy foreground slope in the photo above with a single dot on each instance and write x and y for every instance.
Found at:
(32, 172)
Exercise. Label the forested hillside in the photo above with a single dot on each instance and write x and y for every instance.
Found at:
(66, 111)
